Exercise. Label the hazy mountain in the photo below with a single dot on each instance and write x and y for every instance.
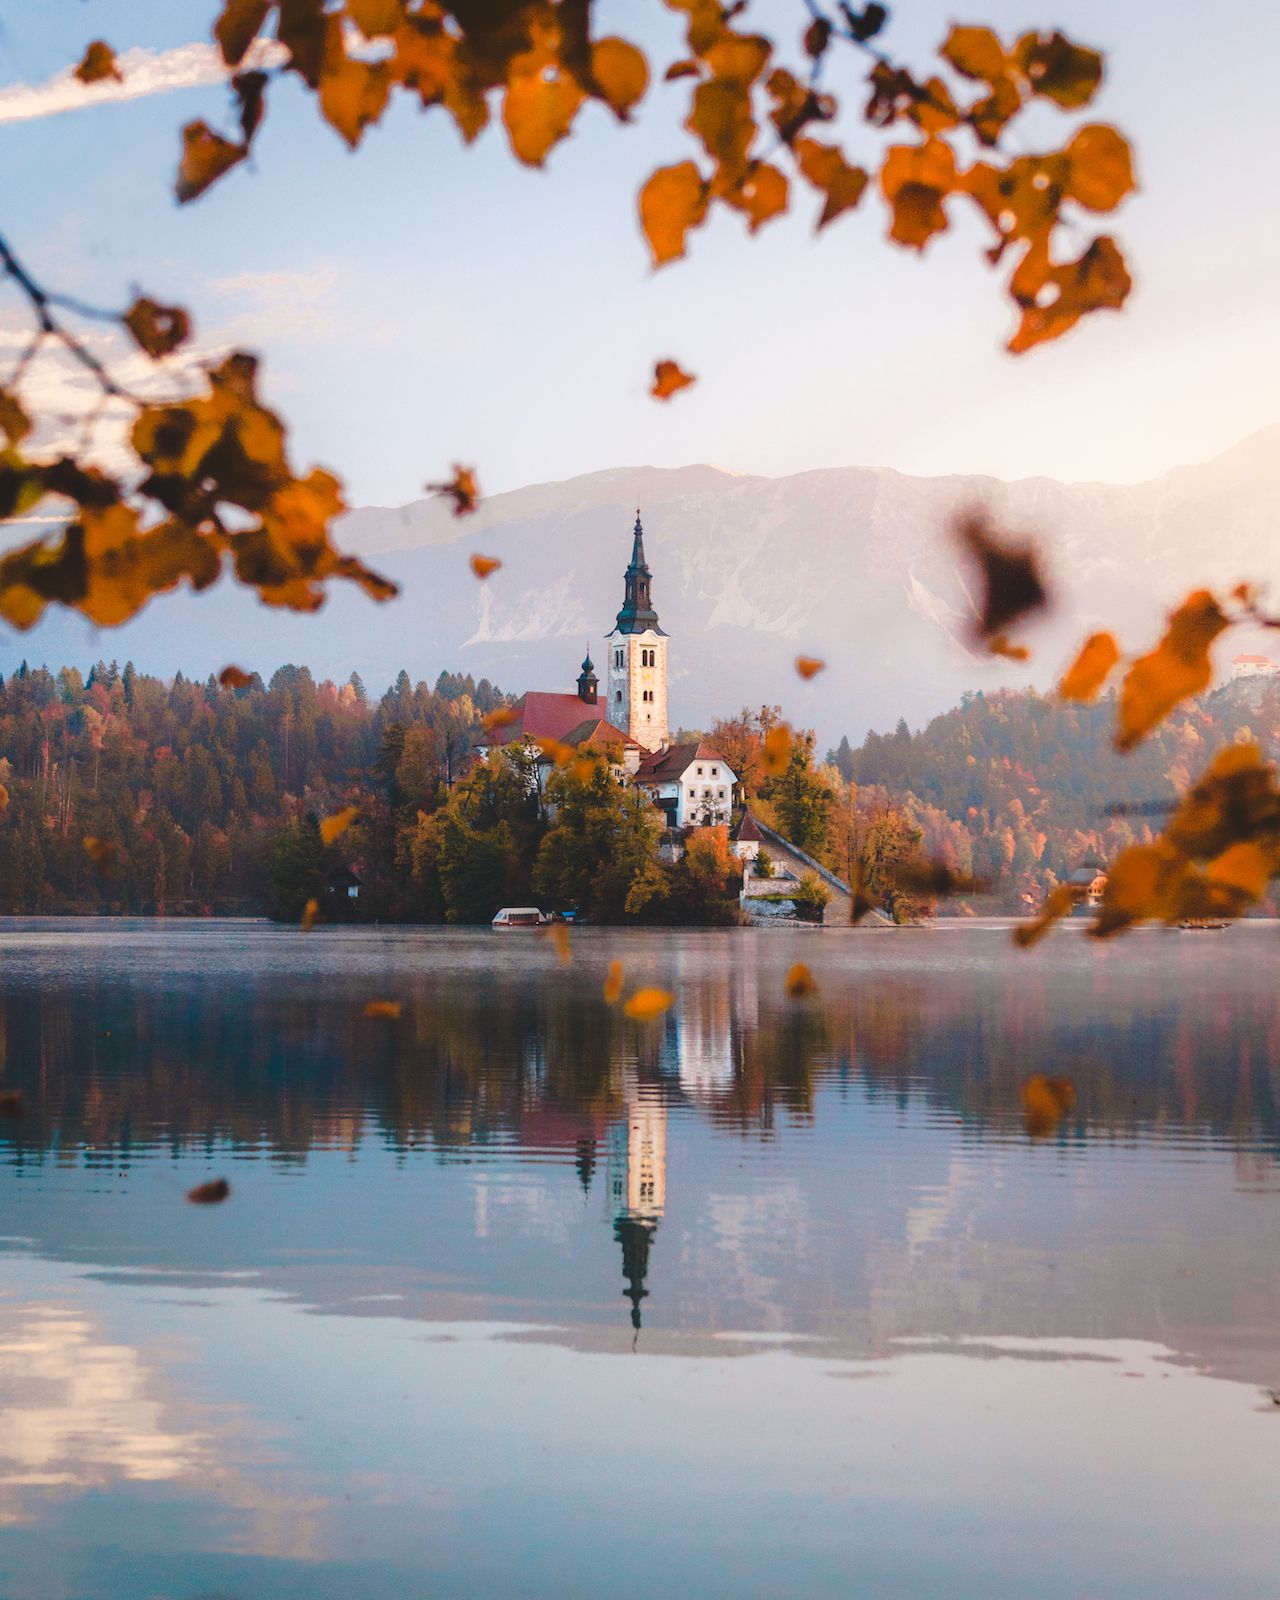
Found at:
(850, 563)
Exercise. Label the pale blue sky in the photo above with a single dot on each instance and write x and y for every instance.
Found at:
(417, 304)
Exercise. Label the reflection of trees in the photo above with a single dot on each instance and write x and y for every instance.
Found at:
(109, 1069)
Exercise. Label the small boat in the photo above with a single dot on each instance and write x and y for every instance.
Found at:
(1202, 924)
(520, 917)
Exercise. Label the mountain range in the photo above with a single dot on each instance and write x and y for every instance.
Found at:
(851, 564)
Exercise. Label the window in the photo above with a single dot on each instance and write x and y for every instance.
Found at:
(715, 772)
(618, 697)
(721, 794)
(699, 771)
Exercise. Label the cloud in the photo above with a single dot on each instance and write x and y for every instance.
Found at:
(145, 72)
(278, 305)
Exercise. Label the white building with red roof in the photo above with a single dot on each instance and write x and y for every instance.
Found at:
(692, 784)
(1254, 667)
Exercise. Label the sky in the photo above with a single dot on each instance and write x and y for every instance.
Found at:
(418, 304)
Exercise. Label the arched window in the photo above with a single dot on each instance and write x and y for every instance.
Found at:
(618, 697)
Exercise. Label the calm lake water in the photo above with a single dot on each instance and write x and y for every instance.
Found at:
(515, 1297)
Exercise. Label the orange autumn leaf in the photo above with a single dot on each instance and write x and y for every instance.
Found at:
(212, 1193)
(1084, 678)
(1045, 1101)
(915, 180)
(620, 73)
(310, 913)
(669, 379)
(673, 201)
(825, 167)
(376, 18)
(4, 798)
(98, 63)
(463, 489)
(646, 1004)
(13, 418)
(810, 666)
(1001, 645)
(975, 53)
(484, 566)
(1058, 905)
(799, 982)
(235, 678)
(1054, 299)
(1101, 167)
(776, 751)
(613, 984)
(335, 826)
(1176, 669)
(499, 717)
(381, 1008)
(238, 26)
(206, 156)
(538, 110)
(554, 750)
(1066, 73)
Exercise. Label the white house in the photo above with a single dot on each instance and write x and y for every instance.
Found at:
(691, 783)
(1254, 667)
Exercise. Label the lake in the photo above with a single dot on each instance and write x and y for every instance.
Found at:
(514, 1296)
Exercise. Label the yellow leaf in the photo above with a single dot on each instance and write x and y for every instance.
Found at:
(1101, 173)
(99, 62)
(825, 167)
(1066, 73)
(1056, 906)
(205, 157)
(613, 984)
(13, 419)
(353, 94)
(915, 179)
(1086, 675)
(335, 826)
(672, 201)
(669, 379)
(776, 751)
(538, 110)
(238, 26)
(975, 53)
(799, 982)
(1176, 669)
(646, 1004)
(155, 328)
(462, 488)
(310, 912)
(620, 72)
(1045, 1101)
(484, 566)
(376, 17)
(381, 1008)
(809, 666)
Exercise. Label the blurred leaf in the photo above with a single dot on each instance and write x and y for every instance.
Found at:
(1176, 669)
(375, 18)
(669, 379)
(975, 53)
(558, 933)
(1086, 675)
(1066, 73)
(1057, 905)
(206, 155)
(484, 566)
(671, 202)
(825, 167)
(799, 982)
(1000, 645)
(99, 63)
(1045, 1101)
(1101, 168)
(13, 419)
(1009, 573)
(613, 984)
(10, 1103)
(775, 752)
(212, 1193)
(155, 328)
(915, 179)
(809, 666)
(102, 852)
(238, 26)
(1055, 298)
(310, 913)
(464, 491)
(335, 826)
(621, 74)
(499, 717)
(646, 1004)
(235, 678)
(381, 1008)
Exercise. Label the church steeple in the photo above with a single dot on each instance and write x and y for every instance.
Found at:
(637, 612)
(588, 683)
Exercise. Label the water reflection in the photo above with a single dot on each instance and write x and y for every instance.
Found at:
(445, 1228)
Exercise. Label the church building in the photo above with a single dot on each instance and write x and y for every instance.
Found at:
(691, 784)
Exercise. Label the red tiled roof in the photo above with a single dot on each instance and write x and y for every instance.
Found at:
(597, 732)
(749, 829)
(666, 765)
(548, 716)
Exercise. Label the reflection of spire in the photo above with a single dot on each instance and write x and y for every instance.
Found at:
(638, 1187)
(635, 1237)
(585, 1160)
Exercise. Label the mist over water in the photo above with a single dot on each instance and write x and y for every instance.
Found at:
(513, 1295)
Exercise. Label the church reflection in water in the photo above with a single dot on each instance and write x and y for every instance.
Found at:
(637, 1180)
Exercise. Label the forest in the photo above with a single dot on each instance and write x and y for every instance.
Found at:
(125, 794)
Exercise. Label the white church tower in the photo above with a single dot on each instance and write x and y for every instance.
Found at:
(637, 672)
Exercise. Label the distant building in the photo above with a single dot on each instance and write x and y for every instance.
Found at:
(1254, 667)
(1090, 879)
(637, 673)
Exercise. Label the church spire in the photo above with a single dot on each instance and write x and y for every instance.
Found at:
(637, 612)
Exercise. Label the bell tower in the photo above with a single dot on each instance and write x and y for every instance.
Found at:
(637, 670)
